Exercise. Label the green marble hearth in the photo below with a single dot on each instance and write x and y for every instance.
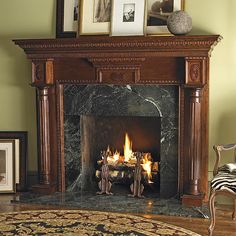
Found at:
(115, 203)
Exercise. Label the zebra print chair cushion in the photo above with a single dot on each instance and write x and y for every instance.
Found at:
(230, 168)
(226, 178)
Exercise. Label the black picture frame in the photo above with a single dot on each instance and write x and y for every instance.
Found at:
(22, 136)
(60, 17)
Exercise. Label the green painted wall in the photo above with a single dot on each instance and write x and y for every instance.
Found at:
(218, 17)
(21, 19)
(36, 19)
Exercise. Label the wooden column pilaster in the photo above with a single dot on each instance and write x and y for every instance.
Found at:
(195, 142)
(43, 81)
(44, 136)
(196, 77)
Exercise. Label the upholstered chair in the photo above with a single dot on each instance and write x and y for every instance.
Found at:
(223, 183)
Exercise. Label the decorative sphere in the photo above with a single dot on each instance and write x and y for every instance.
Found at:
(179, 22)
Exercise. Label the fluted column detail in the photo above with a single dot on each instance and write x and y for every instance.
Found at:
(44, 129)
(195, 141)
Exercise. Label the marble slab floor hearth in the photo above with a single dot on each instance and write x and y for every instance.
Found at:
(116, 203)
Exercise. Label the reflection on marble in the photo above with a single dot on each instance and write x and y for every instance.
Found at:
(72, 148)
(115, 203)
(127, 100)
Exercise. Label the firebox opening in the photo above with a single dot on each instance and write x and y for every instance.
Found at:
(120, 138)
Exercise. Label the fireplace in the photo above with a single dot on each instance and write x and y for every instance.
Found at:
(99, 115)
(61, 67)
(119, 139)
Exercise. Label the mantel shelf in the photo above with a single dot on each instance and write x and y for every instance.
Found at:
(84, 46)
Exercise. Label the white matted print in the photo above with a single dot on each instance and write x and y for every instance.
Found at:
(7, 166)
(157, 14)
(95, 17)
(17, 161)
(71, 15)
(102, 11)
(128, 17)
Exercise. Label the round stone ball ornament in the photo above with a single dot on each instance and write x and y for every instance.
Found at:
(179, 23)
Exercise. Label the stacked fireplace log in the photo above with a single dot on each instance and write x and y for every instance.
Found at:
(112, 172)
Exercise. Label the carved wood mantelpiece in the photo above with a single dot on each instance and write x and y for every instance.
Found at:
(117, 70)
(181, 61)
(163, 45)
(42, 72)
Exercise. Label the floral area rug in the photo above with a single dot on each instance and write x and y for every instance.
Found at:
(83, 223)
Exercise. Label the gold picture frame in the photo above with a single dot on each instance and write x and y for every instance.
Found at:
(128, 17)
(95, 17)
(7, 166)
(157, 14)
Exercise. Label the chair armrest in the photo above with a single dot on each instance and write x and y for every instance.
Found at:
(218, 149)
(225, 147)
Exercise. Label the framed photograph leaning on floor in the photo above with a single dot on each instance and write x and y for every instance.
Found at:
(128, 17)
(21, 140)
(7, 166)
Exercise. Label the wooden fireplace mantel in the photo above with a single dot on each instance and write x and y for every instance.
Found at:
(182, 61)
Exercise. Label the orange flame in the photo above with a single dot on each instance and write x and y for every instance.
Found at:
(128, 153)
(114, 157)
(147, 164)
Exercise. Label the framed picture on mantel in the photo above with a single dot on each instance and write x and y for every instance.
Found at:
(128, 17)
(95, 17)
(157, 14)
(67, 18)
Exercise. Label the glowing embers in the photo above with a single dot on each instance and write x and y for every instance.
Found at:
(134, 168)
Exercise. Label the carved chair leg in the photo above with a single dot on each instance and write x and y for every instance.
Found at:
(212, 212)
(234, 213)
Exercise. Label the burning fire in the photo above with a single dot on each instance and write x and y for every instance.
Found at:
(116, 156)
(147, 164)
(129, 157)
(128, 153)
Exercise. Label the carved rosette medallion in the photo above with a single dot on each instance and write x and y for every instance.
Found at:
(196, 71)
(42, 72)
(39, 71)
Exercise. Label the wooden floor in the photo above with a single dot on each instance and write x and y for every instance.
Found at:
(224, 224)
